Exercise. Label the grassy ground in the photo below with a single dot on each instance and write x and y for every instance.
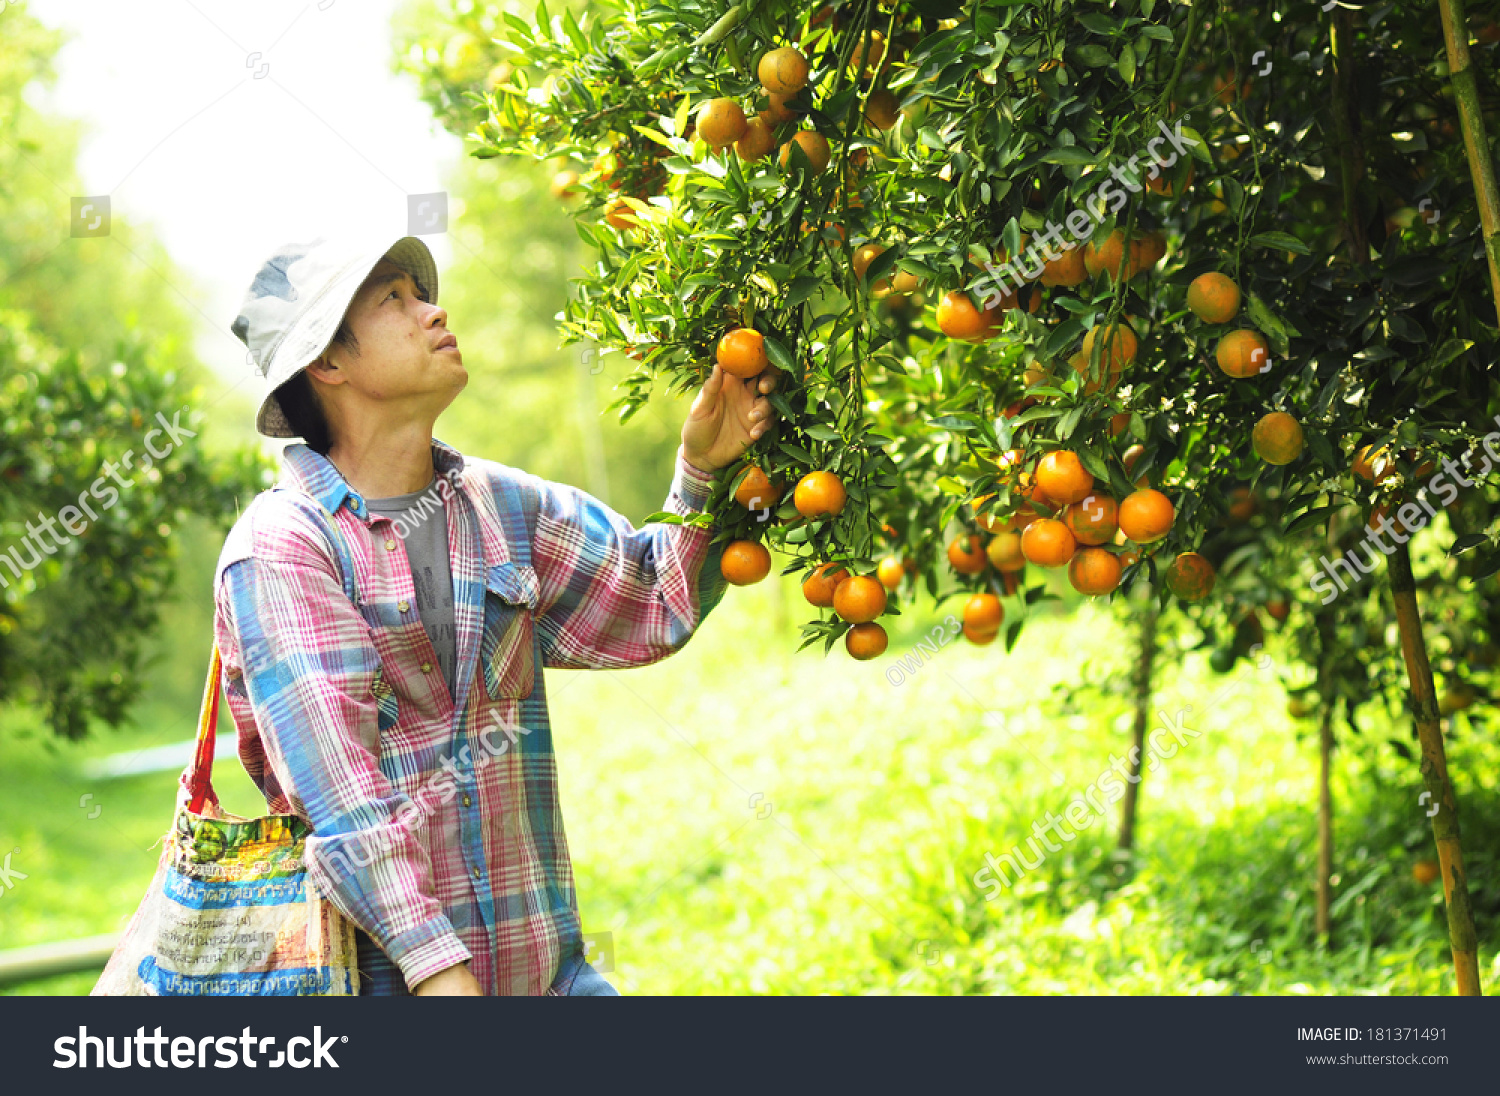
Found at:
(745, 819)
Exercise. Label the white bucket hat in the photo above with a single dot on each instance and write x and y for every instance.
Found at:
(298, 299)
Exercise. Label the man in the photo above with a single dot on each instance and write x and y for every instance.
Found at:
(383, 615)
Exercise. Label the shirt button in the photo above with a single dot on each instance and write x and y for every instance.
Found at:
(467, 801)
(403, 606)
(390, 546)
(426, 667)
(476, 873)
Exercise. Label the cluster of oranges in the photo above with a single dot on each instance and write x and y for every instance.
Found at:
(1063, 521)
(722, 122)
(857, 599)
(1215, 298)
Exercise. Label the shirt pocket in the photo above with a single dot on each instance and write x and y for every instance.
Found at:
(507, 651)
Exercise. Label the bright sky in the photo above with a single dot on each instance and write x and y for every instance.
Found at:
(225, 164)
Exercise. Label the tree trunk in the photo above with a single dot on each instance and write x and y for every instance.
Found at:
(1327, 638)
(1481, 167)
(1325, 825)
(1435, 776)
(1142, 719)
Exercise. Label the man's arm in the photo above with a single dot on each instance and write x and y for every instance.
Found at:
(307, 666)
(611, 595)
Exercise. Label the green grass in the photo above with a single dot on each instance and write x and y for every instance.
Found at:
(883, 801)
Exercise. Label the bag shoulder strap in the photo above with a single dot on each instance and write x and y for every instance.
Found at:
(200, 776)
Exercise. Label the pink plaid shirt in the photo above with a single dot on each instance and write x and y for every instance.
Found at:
(437, 827)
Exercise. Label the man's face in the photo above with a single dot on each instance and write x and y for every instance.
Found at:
(399, 335)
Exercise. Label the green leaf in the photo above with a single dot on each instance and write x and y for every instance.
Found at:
(1279, 241)
(1312, 517)
(1091, 56)
(779, 356)
(1138, 428)
(822, 432)
(1097, 23)
(950, 486)
(1467, 542)
(664, 517)
(962, 423)
(1069, 423)
(800, 289)
(1069, 154)
(1126, 65)
(1270, 323)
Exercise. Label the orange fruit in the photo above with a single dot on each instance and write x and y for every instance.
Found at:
(1093, 519)
(756, 491)
(818, 494)
(1062, 477)
(1242, 504)
(868, 53)
(1279, 608)
(1119, 350)
(988, 522)
(777, 111)
(821, 582)
(983, 613)
(1214, 298)
(889, 572)
(979, 637)
(813, 145)
(565, 185)
(1374, 465)
(1146, 515)
(1426, 872)
(1094, 571)
(859, 598)
(1128, 558)
(1162, 185)
(966, 554)
(1243, 353)
(883, 110)
(904, 282)
(742, 352)
(757, 142)
(1119, 423)
(1067, 269)
(1032, 492)
(721, 122)
(783, 71)
(866, 641)
(1004, 552)
(1277, 438)
(864, 255)
(744, 562)
(1048, 543)
(1190, 577)
(1153, 248)
(619, 216)
(1129, 459)
(1384, 510)
(1105, 259)
(959, 319)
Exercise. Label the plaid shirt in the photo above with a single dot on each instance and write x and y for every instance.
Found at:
(436, 818)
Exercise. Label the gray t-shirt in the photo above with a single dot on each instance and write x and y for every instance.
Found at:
(422, 524)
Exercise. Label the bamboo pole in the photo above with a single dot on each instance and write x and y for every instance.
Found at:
(1481, 167)
(1143, 671)
(1435, 776)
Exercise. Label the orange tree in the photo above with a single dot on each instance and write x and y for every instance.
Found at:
(1043, 293)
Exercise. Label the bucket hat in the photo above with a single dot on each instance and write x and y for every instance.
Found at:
(298, 299)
